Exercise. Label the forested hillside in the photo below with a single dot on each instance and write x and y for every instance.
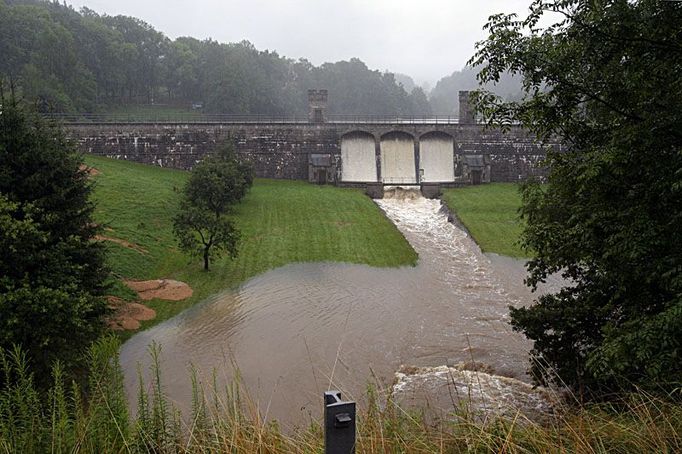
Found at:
(445, 95)
(80, 61)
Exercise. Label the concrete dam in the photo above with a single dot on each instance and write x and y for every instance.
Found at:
(357, 152)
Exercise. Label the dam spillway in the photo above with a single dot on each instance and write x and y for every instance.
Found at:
(326, 149)
(436, 158)
(398, 165)
(358, 160)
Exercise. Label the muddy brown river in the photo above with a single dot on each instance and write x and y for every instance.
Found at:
(302, 329)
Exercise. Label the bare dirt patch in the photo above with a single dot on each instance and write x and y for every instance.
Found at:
(127, 316)
(91, 171)
(165, 289)
(124, 243)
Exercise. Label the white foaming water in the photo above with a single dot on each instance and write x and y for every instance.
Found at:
(300, 329)
(443, 247)
(397, 159)
(358, 161)
(436, 158)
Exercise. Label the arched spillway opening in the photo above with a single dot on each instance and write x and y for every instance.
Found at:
(358, 158)
(437, 157)
(397, 158)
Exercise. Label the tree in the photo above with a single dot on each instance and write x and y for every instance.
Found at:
(82, 61)
(444, 97)
(420, 103)
(607, 79)
(51, 271)
(215, 186)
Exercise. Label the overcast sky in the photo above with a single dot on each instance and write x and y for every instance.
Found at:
(426, 39)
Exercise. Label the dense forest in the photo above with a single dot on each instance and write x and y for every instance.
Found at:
(67, 60)
(80, 61)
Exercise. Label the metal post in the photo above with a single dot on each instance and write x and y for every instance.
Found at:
(339, 424)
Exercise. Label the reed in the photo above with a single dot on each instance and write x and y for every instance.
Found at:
(95, 419)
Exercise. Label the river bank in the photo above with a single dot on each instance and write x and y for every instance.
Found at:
(489, 212)
(281, 222)
(295, 331)
(222, 419)
(295, 222)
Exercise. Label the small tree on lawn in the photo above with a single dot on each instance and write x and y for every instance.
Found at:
(215, 186)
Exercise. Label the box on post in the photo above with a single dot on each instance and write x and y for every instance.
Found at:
(339, 424)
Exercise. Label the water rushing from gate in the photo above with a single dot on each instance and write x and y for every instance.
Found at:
(298, 330)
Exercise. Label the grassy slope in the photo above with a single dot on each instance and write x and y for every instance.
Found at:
(281, 222)
(489, 212)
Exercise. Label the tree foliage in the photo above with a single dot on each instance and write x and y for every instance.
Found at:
(51, 272)
(607, 79)
(70, 61)
(215, 186)
(444, 97)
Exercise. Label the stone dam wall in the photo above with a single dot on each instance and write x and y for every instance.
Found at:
(310, 151)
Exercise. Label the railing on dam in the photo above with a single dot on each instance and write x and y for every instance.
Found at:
(199, 118)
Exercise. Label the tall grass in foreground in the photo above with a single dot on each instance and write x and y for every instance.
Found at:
(66, 419)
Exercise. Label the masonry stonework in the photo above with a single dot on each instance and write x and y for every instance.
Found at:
(284, 150)
(312, 151)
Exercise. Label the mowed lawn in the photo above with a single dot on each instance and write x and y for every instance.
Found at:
(280, 221)
(490, 214)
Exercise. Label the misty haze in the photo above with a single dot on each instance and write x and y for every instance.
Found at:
(340, 226)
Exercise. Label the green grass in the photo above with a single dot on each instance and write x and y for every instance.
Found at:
(280, 221)
(489, 212)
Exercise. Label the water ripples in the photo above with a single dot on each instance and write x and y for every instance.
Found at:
(290, 329)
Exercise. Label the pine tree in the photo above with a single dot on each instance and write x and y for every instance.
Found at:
(51, 270)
